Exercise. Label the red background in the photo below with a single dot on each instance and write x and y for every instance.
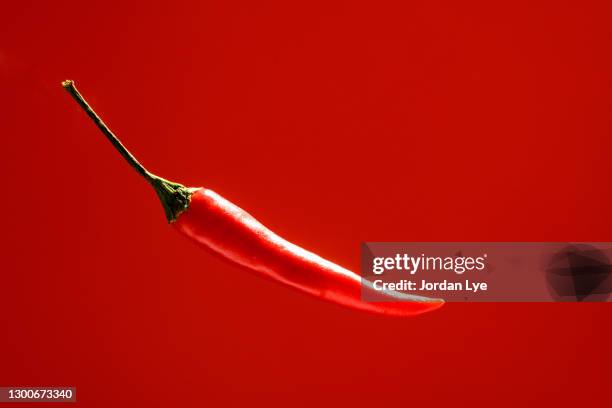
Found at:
(334, 123)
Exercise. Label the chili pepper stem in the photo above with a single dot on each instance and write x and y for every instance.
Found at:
(175, 197)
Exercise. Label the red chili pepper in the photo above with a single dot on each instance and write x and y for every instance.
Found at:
(224, 228)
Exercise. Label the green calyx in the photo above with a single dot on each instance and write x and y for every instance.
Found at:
(174, 197)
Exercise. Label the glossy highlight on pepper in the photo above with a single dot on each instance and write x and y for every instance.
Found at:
(225, 229)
